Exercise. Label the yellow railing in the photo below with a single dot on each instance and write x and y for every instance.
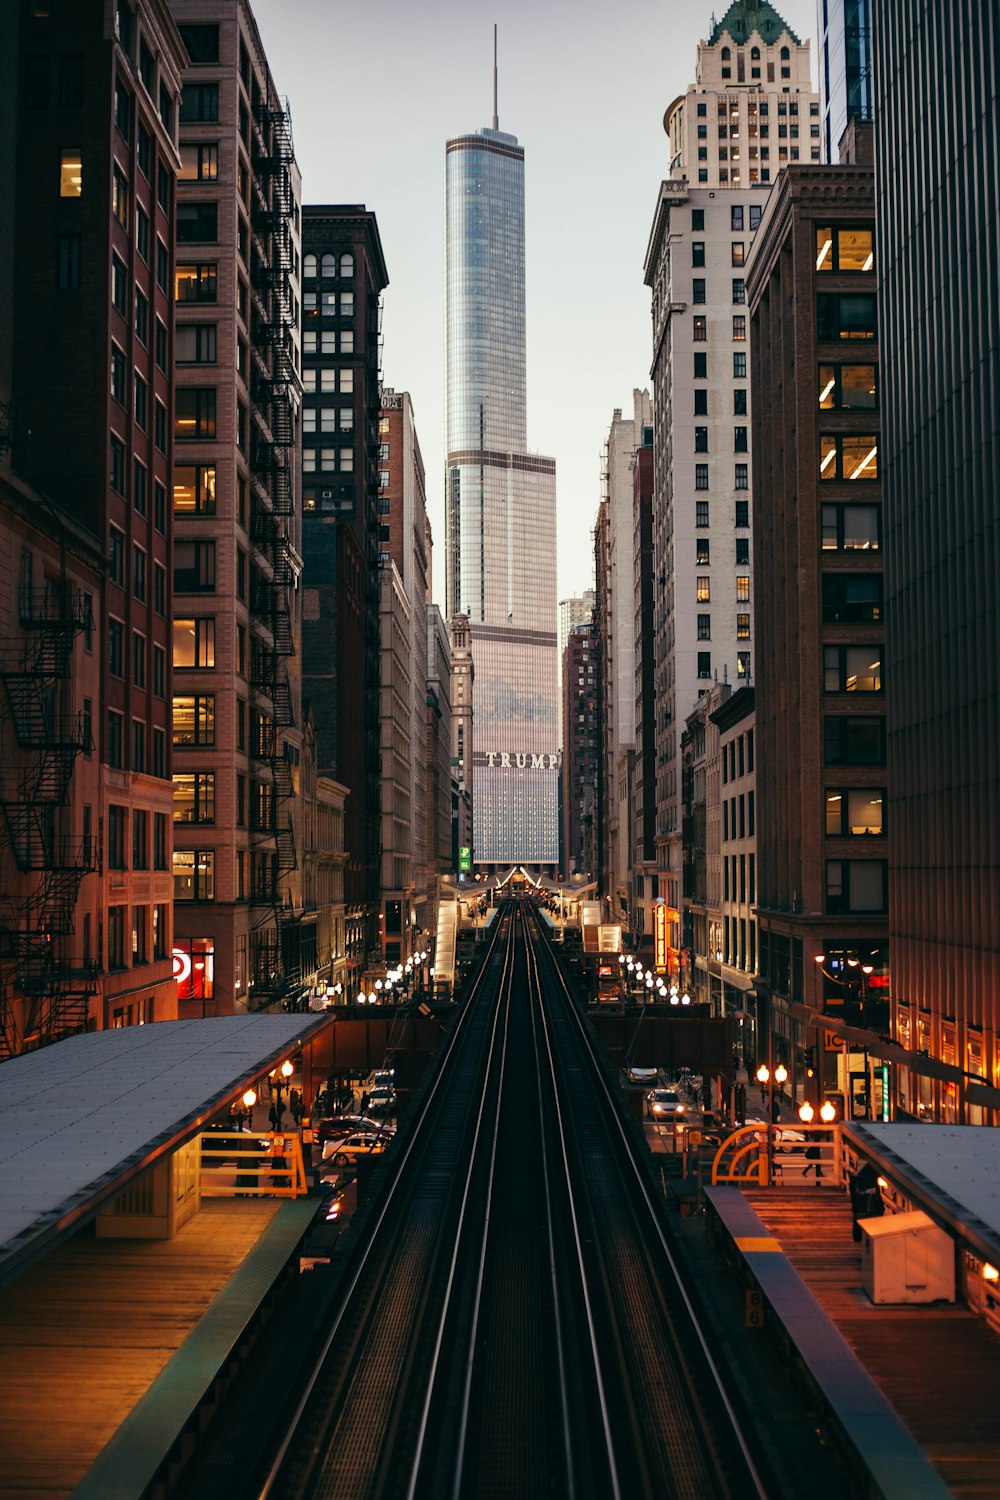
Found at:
(238, 1165)
(780, 1156)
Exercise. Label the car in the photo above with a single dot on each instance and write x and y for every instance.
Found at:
(663, 1105)
(384, 1080)
(336, 1126)
(382, 1101)
(362, 1143)
(363, 1126)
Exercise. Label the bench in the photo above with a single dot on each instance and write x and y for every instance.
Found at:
(130, 1464)
(873, 1432)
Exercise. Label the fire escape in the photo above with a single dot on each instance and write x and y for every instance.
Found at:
(36, 932)
(272, 562)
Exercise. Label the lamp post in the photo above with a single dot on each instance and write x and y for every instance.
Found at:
(249, 1100)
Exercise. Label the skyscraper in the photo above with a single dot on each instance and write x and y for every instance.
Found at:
(500, 535)
(845, 68)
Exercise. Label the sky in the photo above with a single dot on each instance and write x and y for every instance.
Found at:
(375, 91)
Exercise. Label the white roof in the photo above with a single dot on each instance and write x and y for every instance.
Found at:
(955, 1167)
(78, 1116)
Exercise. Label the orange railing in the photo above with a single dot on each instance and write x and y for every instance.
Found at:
(797, 1155)
(235, 1164)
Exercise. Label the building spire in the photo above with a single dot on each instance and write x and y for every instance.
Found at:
(496, 119)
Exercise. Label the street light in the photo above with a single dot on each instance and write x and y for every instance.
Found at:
(806, 1112)
(827, 1112)
(249, 1100)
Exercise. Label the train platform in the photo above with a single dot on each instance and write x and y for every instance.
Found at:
(936, 1366)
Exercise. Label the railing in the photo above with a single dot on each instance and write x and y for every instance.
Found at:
(255, 1165)
(760, 1155)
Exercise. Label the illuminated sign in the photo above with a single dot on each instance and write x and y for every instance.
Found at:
(194, 968)
(465, 857)
(520, 760)
(182, 966)
(660, 947)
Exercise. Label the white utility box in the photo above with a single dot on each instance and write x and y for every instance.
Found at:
(907, 1258)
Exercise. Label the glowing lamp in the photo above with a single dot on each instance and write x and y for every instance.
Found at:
(828, 1112)
(806, 1113)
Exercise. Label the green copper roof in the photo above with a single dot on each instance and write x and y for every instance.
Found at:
(744, 16)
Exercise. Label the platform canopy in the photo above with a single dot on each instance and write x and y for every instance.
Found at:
(80, 1119)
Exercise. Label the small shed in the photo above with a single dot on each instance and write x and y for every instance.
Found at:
(907, 1258)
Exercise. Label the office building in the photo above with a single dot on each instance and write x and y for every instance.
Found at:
(644, 880)
(500, 510)
(237, 528)
(463, 672)
(821, 780)
(438, 758)
(845, 69)
(343, 276)
(86, 664)
(938, 254)
(750, 111)
(580, 752)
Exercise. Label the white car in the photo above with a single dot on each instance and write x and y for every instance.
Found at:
(664, 1105)
(364, 1143)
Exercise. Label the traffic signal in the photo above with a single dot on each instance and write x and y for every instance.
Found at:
(810, 1061)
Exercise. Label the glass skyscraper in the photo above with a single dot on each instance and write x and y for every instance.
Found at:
(500, 536)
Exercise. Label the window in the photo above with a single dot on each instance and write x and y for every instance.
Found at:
(163, 266)
(347, 266)
(698, 289)
(704, 663)
(159, 672)
(736, 217)
(701, 440)
(194, 720)
(116, 754)
(200, 162)
(742, 513)
(160, 425)
(740, 439)
(194, 567)
(856, 885)
(163, 180)
(194, 490)
(739, 327)
(843, 249)
(739, 291)
(159, 841)
(199, 103)
(743, 664)
(194, 874)
(743, 588)
(852, 669)
(855, 812)
(119, 197)
(847, 388)
(848, 456)
(161, 345)
(742, 550)
(742, 627)
(701, 513)
(116, 937)
(854, 742)
(701, 366)
(160, 589)
(699, 329)
(118, 374)
(702, 554)
(308, 267)
(852, 598)
(851, 528)
(194, 643)
(160, 931)
(159, 505)
(141, 318)
(755, 208)
(697, 219)
(69, 262)
(147, 67)
(194, 797)
(119, 285)
(737, 253)
(70, 172)
(140, 839)
(704, 627)
(841, 316)
(701, 403)
(741, 480)
(698, 252)
(196, 283)
(142, 232)
(117, 477)
(138, 573)
(139, 923)
(141, 404)
(138, 659)
(116, 836)
(739, 366)
(197, 223)
(194, 412)
(201, 41)
(701, 483)
(703, 590)
(740, 402)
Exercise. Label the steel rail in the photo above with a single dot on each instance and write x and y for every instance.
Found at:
(389, 1202)
(640, 1179)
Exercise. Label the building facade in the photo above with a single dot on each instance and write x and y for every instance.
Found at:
(822, 826)
(640, 792)
(463, 671)
(438, 758)
(500, 511)
(845, 69)
(237, 527)
(92, 212)
(940, 339)
(581, 751)
(343, 276)
(397, 918)
(750, 110)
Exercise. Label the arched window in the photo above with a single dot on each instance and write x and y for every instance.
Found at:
(308, 267)
(328, 265)
(785, 54)
(755, 54)
(725, 54)
(347, 265)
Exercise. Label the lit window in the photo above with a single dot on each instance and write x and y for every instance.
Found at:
(70, 172)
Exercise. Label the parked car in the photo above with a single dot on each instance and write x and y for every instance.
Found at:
(362, 1125)
(382, 1101)
(664, 1105)
(362, 1143)
(338, 1126)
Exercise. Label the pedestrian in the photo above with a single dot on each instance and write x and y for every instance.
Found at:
(866, 1198)
(295, 1106)
(775, 1110)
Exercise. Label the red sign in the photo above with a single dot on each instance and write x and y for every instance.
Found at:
(660, 948)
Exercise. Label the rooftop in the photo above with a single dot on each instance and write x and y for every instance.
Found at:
(746, 16)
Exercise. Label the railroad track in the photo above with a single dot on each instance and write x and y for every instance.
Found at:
(514, 1324)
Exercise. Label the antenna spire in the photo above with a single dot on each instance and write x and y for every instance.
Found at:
(496, 119)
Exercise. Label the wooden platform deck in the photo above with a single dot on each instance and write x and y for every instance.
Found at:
(937, 1365)
(85, 1333)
